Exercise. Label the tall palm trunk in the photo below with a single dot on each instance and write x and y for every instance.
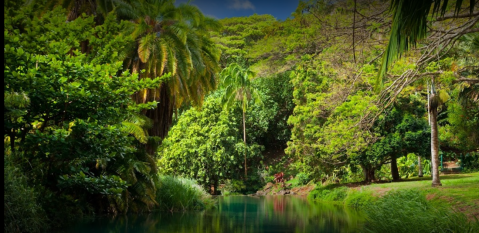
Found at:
(433, 104)
(244, 138)
(161, 116)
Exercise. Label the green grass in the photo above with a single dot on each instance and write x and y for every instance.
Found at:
(329, 193)
(412, 205)
(408, 210)
(458, 191)
(359, 199)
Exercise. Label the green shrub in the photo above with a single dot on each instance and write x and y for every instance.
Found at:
(409, 211)
(180, 194)
(233, 187)
(359, 199)
(294, 182)
(470, 162)
(253, 183)
(303, 178)
(22, 212)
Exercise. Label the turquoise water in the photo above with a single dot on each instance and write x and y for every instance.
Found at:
(236, 214)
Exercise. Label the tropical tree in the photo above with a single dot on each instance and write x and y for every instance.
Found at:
(401, 131)
(238, 85)
(69, 118)
(174, 40)
(205, 145)
(409, 26)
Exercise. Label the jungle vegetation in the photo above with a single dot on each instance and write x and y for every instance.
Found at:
(117, 106)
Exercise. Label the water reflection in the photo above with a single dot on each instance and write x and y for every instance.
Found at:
(237, 214)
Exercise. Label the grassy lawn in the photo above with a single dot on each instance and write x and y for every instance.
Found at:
(411, 205)
(458, 191)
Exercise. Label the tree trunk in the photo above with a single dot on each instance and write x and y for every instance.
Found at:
(434, 141)
(75, 10)
(368, 173)
(79, 7)
(394, 168)
(85, 46)
(419, 166)
(244, 137)
(12, 141)
(215, 186)
(162, 116)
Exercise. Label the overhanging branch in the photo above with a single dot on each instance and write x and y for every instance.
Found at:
(468, 15)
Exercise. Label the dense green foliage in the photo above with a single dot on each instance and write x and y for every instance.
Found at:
(70, 122)
(71, 138)
(206, 144)
(90, 91)
(400, 131)
(240, 33)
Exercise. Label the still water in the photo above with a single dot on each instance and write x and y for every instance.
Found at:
(237, 214)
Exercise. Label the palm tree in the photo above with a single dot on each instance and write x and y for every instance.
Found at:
(169, 39)
(172, 40)
(434, 101)
(237, 82)
(409, 26)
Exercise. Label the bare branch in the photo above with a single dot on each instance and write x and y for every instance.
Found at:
(457, 16)
(469, 80)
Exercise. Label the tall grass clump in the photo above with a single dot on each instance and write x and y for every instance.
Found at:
(409, 211)
(181, 194)
(21, 210)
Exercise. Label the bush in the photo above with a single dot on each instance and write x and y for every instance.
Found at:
(253, 183)
(21, 213)
(294, 182)
(409, 211)
(233, 187)
(470, 162)
(180, 194)
(303, 178)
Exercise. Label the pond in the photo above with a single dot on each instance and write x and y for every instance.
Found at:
(237, 214)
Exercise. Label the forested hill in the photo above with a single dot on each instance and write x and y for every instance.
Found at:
(314, 29)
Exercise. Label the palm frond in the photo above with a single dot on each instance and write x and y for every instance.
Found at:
(409, 26)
